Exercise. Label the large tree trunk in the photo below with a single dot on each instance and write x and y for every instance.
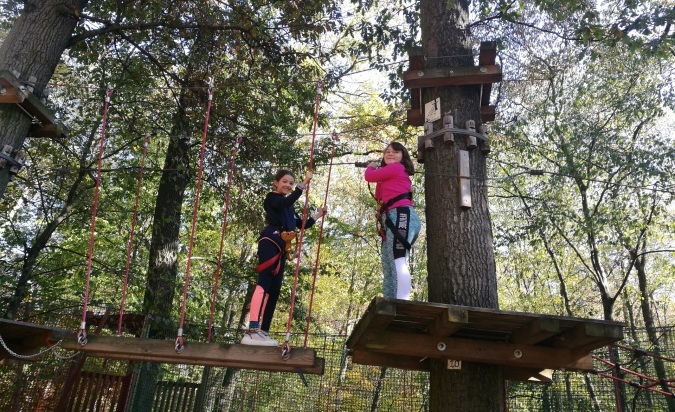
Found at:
(32, 49)
(461, 263)
(163, 265)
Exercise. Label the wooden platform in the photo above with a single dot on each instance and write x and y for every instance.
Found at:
(27, 339)
(198, 353)
(528, 346)
(45, 123)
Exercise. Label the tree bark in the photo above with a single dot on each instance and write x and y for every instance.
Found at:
(32, 49)
(461, 266)
(645, 306)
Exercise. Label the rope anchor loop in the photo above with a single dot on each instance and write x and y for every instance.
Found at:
(82, 337)
(286, 351)
(179, 347)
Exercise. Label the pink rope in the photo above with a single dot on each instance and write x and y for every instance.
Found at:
(318, 247)
(222, 239)
(286, 347)
(179, 346)
(131, 235)
(82, 332)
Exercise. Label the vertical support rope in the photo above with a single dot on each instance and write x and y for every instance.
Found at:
(318, 247)
(179, 339)
(131, 234)
(82, 332)
(222, 238)
(286, 347)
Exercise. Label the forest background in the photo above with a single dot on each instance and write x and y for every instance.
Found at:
(580, 173)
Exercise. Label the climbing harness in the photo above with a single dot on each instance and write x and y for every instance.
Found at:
(274, 259)
(381, 215)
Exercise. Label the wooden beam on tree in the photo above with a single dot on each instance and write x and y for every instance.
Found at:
(452, 76)
(588, 336)
(415, 115)
(12, 91)
(364, 357)
(479, 351)
(263, 358)
(449, 322)
(536, 331)
(488, 113)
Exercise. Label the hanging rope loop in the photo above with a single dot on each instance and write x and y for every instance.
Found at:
(195, 207)
(130, 245)
(286, 347)
(82, 332)
(223, 229)
(334, 138)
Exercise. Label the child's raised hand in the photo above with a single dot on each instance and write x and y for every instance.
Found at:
(308, 176)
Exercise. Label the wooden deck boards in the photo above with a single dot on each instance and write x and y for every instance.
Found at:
(405, 334)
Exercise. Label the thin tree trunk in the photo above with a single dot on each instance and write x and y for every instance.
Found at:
(645, 306)
(31, 255)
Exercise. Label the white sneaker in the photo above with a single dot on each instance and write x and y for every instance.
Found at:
(257, 338)
(267, 335)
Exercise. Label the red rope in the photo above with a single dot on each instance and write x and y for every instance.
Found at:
(82, 332)
(131, 235)
(222, 239)
(616, 368)
(631, 372)
(179, 339)
(318, 247)
(286, 347)
(640, 352)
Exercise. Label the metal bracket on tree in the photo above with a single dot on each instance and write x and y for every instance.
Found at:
(13, 159)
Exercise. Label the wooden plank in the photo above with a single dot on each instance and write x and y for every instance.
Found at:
(488, 113)
(588, 336)
(316, 369)
(487, 53)
(452, 76)
(56, 130)
(449, 322)
(479, 351)
(197, 353)
(379, 314)
(41, 112)
(529, 375)
(536, 331)
(12, 96)
(364, 357)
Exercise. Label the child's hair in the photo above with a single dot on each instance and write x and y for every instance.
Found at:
(281, 173)
(406, 161)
